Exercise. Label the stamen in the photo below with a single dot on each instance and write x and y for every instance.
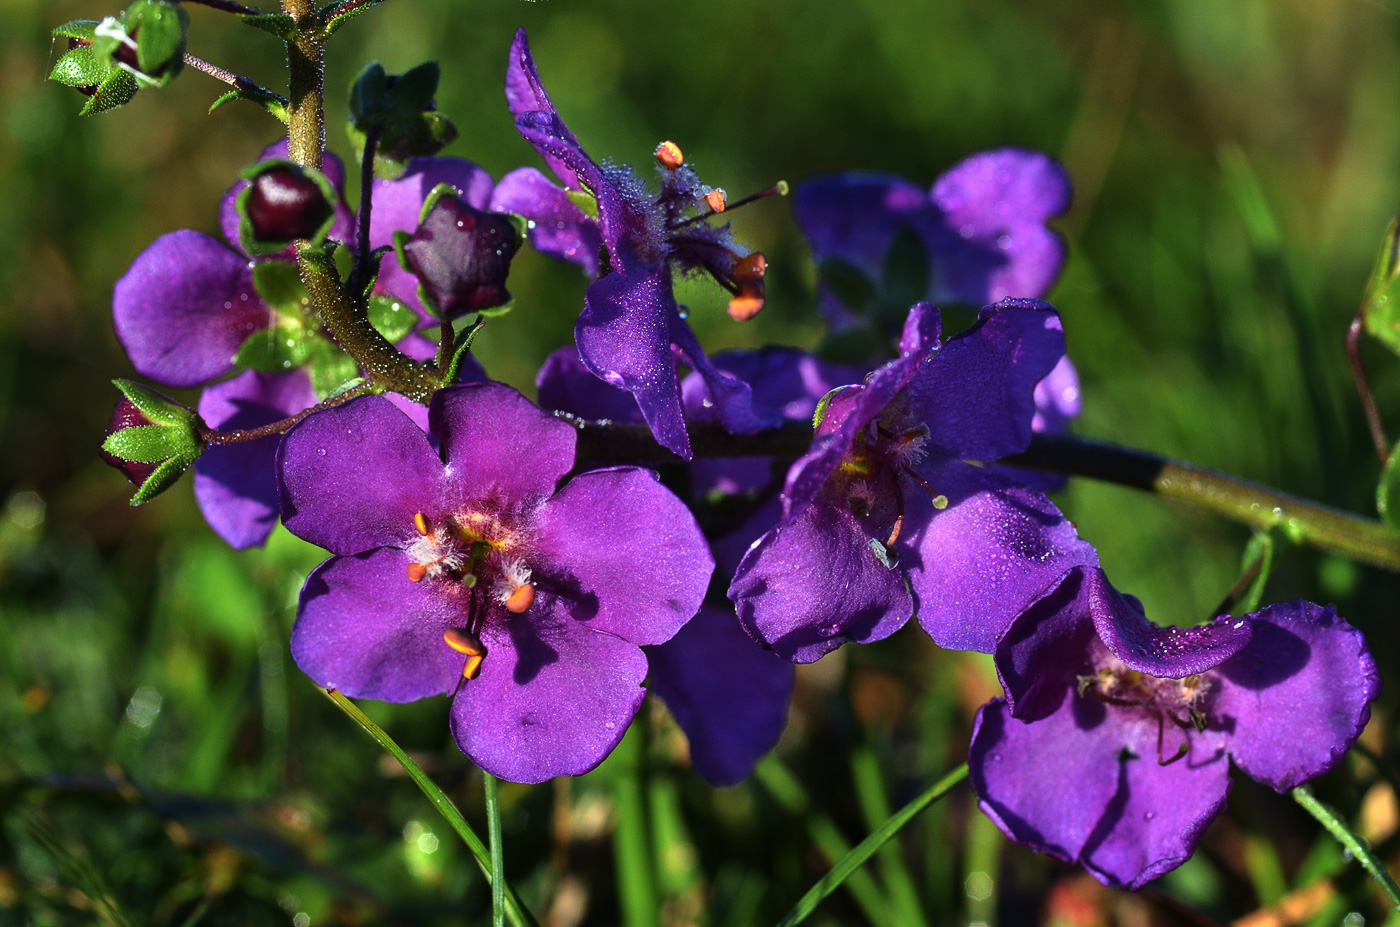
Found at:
(1181, 751)
(715, 200)
(420, 521)
(469, 644)
(751, 268)
(520, 600)
(778, 189)
(668, 155)
(746, 305)
(416, 572)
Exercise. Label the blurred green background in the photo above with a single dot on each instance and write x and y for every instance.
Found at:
(1235, 166)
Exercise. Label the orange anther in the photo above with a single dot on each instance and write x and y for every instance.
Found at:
(746, 305)
(668, 155)
(750, 269)
(520, 599)
(469, 644)
(472, 668)
(416, 572)
(715, 200)
(420, 521)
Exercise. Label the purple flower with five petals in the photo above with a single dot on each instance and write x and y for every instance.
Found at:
(883, 516)
(631, 328)
(1146, 720)
(468, 571)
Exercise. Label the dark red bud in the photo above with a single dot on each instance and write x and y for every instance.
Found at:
(285, 204)
(462, 256)
(125, 416)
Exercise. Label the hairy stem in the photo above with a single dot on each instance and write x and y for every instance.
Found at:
(214, 436)
(228, 6)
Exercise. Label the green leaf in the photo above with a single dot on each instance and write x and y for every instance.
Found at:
(1380, 307)
(1259, 560)
(393, 318)
(81, 67)
(1388, 491)
(271, 102)
(1356, 845)
(367, 93)
(852, 286)
(151, 443)
(276, 349)
(413, 92)
(335, 22)
(159, 28)
(331, 368)
(906, 270)
(279, 24)
(165, 476)
(82, 29)
(279, 285)
(585, 201)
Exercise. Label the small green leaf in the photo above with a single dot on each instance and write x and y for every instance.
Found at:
(586, 202)
(275, 105)
(279, 24)
(906, 269)
(279, 284)
(1388, 491)
(413, 92)
(335, 22)
(331, 369)
(393, 318)
(80, 67)
(852, 286)
(1380, 307)
(1260, 551)
(159, 409)
(159, 28)
(148, 443)
(165, 476)
(82, 29)
(276, 349)
(117, 90)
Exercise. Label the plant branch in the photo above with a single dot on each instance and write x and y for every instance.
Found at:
(1353, 843)
(228, 77)
(228, 6)
(214, 436)
(1363, 389)
(360, 273)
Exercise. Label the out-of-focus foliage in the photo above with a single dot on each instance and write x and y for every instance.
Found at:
(163, 762)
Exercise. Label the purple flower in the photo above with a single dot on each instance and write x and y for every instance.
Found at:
(631, 327)
(1144, 721)
(981, 227)
(883, 516)
(473, 574)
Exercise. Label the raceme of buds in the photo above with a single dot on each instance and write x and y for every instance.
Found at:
(85, 69)
(460, 255)
(283, 202)
(151, 438)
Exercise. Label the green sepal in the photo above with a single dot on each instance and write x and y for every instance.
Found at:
(279, 285)
(279, 24)
(275, 105)
(403, 115)
(393, 318)
(400, 239)
(159, 28)
(84, 30)
(163, 477)
(245, 226)
(852, 286)
(429, 304)
(116, 91)
(158, 409)
(460, 351)
(1388, 490)
(150, 443)
(81, 67)
(276, 349)
(335, 22)
(906, 271)
(586, 202)
(1380, 306)
(434, 197)
(330, 368)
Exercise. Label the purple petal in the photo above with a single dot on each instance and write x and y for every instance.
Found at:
(559, 229)
(184, 307)
(1046, 647)
(814, 583)
(729, 696)
(630, 548)
(499, 444)
(352, 477)
(999, 200)
(342, 230)
(977, 393)
(1298, 696)
(786, 383)
(564, 384)
(624, 336)
(1127, 818)
(553, 698)
(525, 94)
(855, 216)
(977, 563)
(236, 484)
(1165, 652)
(365, 629)
(731, 397)
(1057, 399)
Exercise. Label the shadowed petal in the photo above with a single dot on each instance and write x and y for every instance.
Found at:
(352, 477)
(729, 696)
(365, 629)
(498, 443)
(1045, 648)
(855, 216)
(564, 384)
(631, 548)
(553, 698)
(1298, 695)
(560, 229)
(731, 397)
(1166, 652)
(236, 484)
(184, 307)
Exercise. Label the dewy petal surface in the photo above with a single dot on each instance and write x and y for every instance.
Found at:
(365, 629)
(526, 94)
(993, 550)
(184, 307)
(637, 564)
(729, 696)
(352, 477)
(814, 583)
(559, 228)
(1298, 695)
(499, 444)
(1166, 652)
(236, 484)
(564, 384)
(553, 698)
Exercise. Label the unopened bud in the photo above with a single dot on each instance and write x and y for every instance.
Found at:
(151, 439)
(461, 256)
(668, 155)
(282, 203)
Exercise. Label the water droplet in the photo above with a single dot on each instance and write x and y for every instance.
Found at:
(1003, 242)
(609, 725)
(683, 312)
(1149, 815)
(529, 223)
(320, 452)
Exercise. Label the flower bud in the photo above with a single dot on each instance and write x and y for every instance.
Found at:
(283, 202)
(461, 256)
(151, 438)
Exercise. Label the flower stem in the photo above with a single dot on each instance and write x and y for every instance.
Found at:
(228, 6)
(214, 436)
(520, 915)
(636, 882)
(867, 847)
(1353, 843)
(493, 833)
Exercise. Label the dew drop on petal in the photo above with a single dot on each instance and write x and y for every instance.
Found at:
(320, 452)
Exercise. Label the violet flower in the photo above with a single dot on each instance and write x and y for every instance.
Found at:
(882, 517)
(1146, 720)
(630, 321)
(473, 574)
